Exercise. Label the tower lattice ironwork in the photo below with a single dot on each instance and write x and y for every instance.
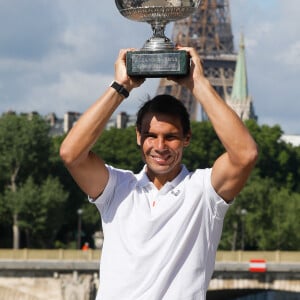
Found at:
(209, 31)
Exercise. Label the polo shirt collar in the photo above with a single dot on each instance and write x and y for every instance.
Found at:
(144, 181)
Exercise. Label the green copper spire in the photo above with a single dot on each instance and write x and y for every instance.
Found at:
(240, 84)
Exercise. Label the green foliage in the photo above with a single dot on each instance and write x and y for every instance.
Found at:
(251, 221)
(270, 219)
(204, 148)
(40, 210)
(30, 198)
(277, 159)
(36, 187)
(118, 148)
(24, 142)
(53, 198)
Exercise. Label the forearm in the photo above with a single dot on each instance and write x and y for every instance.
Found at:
(89, 127)
(232, 169)
(232, 132)
(87, 169)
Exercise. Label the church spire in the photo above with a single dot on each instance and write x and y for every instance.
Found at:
(239, 99)
(240, 81)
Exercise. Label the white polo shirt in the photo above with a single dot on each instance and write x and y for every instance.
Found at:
(159, 244)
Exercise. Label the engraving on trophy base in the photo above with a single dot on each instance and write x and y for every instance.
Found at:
(157, 63)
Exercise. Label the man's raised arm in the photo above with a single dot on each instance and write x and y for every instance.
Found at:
(87, 169)
(232, 169)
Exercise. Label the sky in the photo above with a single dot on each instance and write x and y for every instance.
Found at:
(58, 55)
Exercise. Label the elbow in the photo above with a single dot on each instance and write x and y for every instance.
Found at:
(252, 156)
(67, 155)
(246, 157)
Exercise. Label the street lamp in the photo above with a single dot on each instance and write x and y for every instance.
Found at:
(243, 214)
(79, 212)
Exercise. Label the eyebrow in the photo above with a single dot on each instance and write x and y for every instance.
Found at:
(177, 133)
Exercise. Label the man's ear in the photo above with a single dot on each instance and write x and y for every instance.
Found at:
(187, 139)
(138, 137)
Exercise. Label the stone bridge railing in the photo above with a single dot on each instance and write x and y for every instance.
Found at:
(94, 255)
(277, 276)
(73, 274)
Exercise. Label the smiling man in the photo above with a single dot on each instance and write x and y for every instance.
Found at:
(161, 226)
(163, 130)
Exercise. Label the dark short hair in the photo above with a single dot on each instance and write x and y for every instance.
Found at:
(168, 105)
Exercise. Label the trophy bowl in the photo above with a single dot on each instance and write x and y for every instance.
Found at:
(158, 57)
(158, 13)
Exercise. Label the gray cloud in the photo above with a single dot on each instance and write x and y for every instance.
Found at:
(273, 58)
(29, 29)
(59, 55)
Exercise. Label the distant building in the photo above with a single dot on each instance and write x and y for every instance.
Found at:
(70, 118)
(60, 126)
(30, 115)
(9, 112)
(209, 31)
(240, 100)
(122, 120)
(56, 124)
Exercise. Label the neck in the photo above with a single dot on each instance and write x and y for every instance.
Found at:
(159, 180)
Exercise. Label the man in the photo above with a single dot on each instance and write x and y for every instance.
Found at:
(162, 226)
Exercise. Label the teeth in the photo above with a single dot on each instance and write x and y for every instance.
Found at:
(159, 158)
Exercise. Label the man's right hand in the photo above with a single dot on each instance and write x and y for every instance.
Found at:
(121, 76)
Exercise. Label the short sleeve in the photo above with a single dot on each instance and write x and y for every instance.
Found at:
(102, 200)
(218, 204)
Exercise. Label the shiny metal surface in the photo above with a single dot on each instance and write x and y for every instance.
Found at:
(157, 13)
(159, 10)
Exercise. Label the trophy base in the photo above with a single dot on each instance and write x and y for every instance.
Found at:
(157, 63)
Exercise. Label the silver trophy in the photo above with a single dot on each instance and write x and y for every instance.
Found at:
(158, 57)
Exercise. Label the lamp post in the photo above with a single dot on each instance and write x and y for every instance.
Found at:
(243, 214)
(79, 212)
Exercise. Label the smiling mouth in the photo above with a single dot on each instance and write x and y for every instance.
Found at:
(160, 159)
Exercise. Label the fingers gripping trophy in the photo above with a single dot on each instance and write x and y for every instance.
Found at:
(158, 57)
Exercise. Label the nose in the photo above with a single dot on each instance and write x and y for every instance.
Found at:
(160, 144)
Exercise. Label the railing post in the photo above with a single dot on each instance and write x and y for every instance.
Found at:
(60, 254)
(239, 255)
(25, 254)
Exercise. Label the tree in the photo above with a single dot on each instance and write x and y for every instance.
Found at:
(53, 198)
(285, 211)
(262, 217)
(277, 159)
(40, 210)
(24, 149)
(249, 227)
(204, 148)
(118, 147)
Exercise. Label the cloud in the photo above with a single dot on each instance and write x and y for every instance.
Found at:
(59, 55)
(272, 53)
(73, 91)
(290, 56)
(28, 28)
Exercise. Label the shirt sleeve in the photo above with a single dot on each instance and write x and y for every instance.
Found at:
(218, 204)
(103, 199)
(118, 182)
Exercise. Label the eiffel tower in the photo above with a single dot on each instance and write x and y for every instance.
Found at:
(208, 30)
